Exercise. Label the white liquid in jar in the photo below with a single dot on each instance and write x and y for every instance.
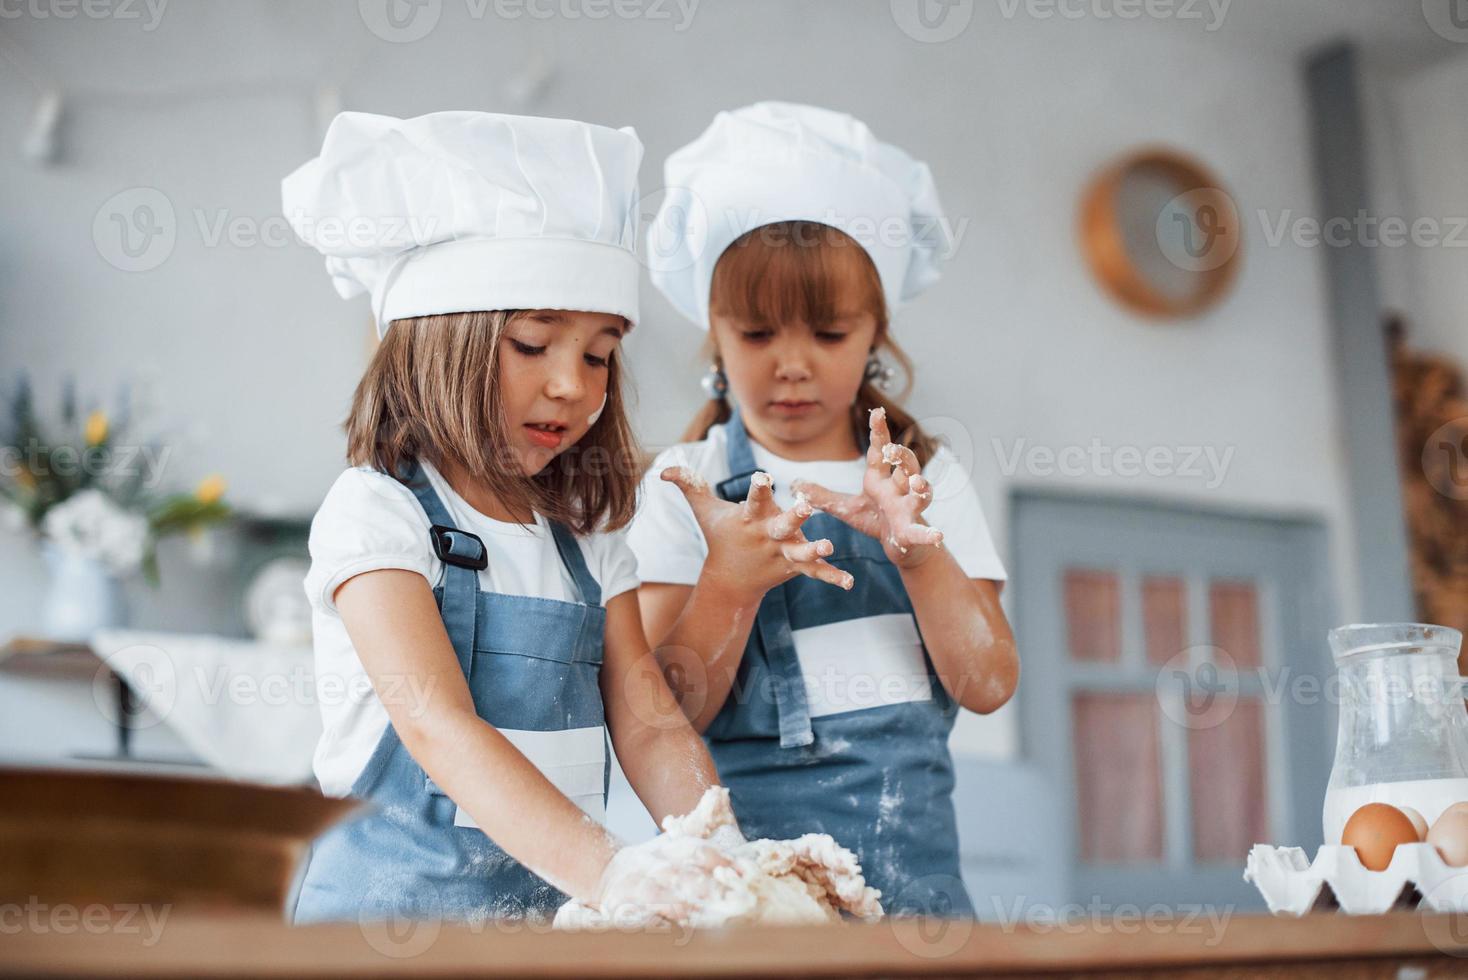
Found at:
(1429, 797)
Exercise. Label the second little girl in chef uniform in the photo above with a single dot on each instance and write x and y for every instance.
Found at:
(476, 631)
(842, 595)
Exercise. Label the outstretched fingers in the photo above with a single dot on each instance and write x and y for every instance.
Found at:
(855, 510)
(787, 522)
(905, 463)
(761, 496)
(807, 551)
(915, 534)
(695, 488)
(828, 573)
(880, 435)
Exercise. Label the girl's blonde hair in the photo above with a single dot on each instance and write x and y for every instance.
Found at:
(431, 393)
(802, 272)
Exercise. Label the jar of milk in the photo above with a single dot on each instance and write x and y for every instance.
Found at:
(1403, 735)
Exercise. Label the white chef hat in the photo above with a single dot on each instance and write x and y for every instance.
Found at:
(459, 211)
(779, 161)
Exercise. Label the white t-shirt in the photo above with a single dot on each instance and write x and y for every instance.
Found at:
(370, 521)
(669, 543)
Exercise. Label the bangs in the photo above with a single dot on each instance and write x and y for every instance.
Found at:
(796, 272)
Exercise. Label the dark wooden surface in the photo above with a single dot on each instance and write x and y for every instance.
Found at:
(1323, 944)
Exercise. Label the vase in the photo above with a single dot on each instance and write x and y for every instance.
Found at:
(84, 597)
(1403, 732)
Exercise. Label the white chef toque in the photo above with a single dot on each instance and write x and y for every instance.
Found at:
(779, 161)
(461, 211)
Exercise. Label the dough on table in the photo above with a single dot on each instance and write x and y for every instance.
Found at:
(810, 880)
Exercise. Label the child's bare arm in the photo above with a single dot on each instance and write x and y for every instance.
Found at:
(753, 547)
(962, 624)
(965, 631)
(664, 759)
(396, 629)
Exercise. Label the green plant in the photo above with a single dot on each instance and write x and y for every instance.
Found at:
(42, 467)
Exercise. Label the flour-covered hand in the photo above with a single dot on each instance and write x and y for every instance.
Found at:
(893, 496)
(664, 878)
(755, 546)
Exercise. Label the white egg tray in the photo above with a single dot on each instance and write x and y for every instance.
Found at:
(1417, 878)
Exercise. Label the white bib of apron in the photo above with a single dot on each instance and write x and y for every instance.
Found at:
(862, 663)
(573, 760)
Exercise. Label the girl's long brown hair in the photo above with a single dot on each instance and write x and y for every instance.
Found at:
(431, 392)
(802, 272)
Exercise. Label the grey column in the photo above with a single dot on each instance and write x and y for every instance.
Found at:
(1362, 358)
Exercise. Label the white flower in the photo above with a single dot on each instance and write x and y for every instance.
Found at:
(14, 518)
(92, 525)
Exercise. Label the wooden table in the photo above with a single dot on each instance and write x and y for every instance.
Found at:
(1399, 945)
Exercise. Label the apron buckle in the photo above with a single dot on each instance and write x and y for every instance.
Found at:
(736, 488)
(456, 547)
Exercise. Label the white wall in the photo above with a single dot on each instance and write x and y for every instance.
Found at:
(251, 344)
(1420, 154)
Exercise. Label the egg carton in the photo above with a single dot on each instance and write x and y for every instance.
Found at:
(1416, 878)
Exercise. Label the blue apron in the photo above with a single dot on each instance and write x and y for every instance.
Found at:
(878, 779)
(533, 668)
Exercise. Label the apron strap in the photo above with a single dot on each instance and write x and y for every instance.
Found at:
(741, 461)
(463, 555)
(575, 562)
(773, 619)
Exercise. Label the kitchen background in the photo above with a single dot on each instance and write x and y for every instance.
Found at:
(1162, 487)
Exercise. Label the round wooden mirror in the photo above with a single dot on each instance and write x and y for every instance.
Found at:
(1160, 233)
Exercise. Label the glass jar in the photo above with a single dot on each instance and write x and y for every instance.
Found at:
(1403, 734)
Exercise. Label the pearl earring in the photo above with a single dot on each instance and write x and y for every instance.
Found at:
(879, 373)
(715, 383)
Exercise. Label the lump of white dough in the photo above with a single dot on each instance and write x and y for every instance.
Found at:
(810, 880)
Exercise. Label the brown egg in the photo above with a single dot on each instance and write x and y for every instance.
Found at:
(1374, 831)
(1418, 821)
(1450, 836)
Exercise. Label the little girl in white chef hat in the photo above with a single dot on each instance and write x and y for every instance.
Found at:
(475, 621)
(840, 583)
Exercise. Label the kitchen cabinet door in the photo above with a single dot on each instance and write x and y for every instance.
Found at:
(1175, 688)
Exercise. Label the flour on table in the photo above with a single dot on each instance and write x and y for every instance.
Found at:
(810, 880)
